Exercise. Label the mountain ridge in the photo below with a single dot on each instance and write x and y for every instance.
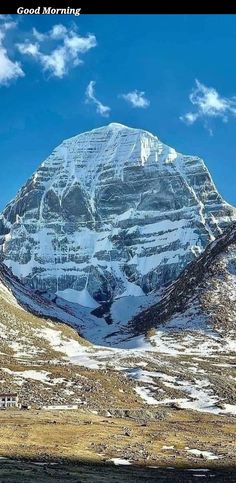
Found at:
(207, 284)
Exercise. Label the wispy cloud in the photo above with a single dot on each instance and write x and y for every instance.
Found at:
(38, 35)
(9, 69)
(91, 98)
(59, 59)
(136, 99)
(208, 103)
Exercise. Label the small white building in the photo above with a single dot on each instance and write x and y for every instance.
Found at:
(9, 400)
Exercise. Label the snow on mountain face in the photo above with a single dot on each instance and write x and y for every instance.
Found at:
(111, 212)
(203, 296)
(18, 294)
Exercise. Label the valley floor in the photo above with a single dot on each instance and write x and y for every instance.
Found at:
(145, 404)
(81, 446)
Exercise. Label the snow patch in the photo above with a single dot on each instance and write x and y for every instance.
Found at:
(81, 297)
(205, 454)
(41, 376)
(144, 393)
(120, 461)
(76, 353)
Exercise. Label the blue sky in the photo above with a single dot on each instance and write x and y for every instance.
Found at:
(138, 70)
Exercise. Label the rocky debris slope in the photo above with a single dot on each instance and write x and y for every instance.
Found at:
(111, 212)
(48, 363)
(205, 291)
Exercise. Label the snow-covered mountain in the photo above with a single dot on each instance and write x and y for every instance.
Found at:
(110, 213)
(202, 297)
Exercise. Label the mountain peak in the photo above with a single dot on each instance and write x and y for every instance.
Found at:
(111, 215)
(117, 125)
(112, 126)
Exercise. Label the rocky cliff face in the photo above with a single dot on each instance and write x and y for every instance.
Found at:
(111, 212)
(204, 294)
(18, 295)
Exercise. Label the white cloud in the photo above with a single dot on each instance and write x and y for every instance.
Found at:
(60, 58)
(9, 24)
(56, 62)
(136, 99)
(4, 17)
(9, 69)
(38, 35)
(28, 48)
(76, 44)
(58, 31)
(189, 117)
(208, 104)
(91, 98)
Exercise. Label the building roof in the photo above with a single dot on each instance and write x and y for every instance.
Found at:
(9, 394)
